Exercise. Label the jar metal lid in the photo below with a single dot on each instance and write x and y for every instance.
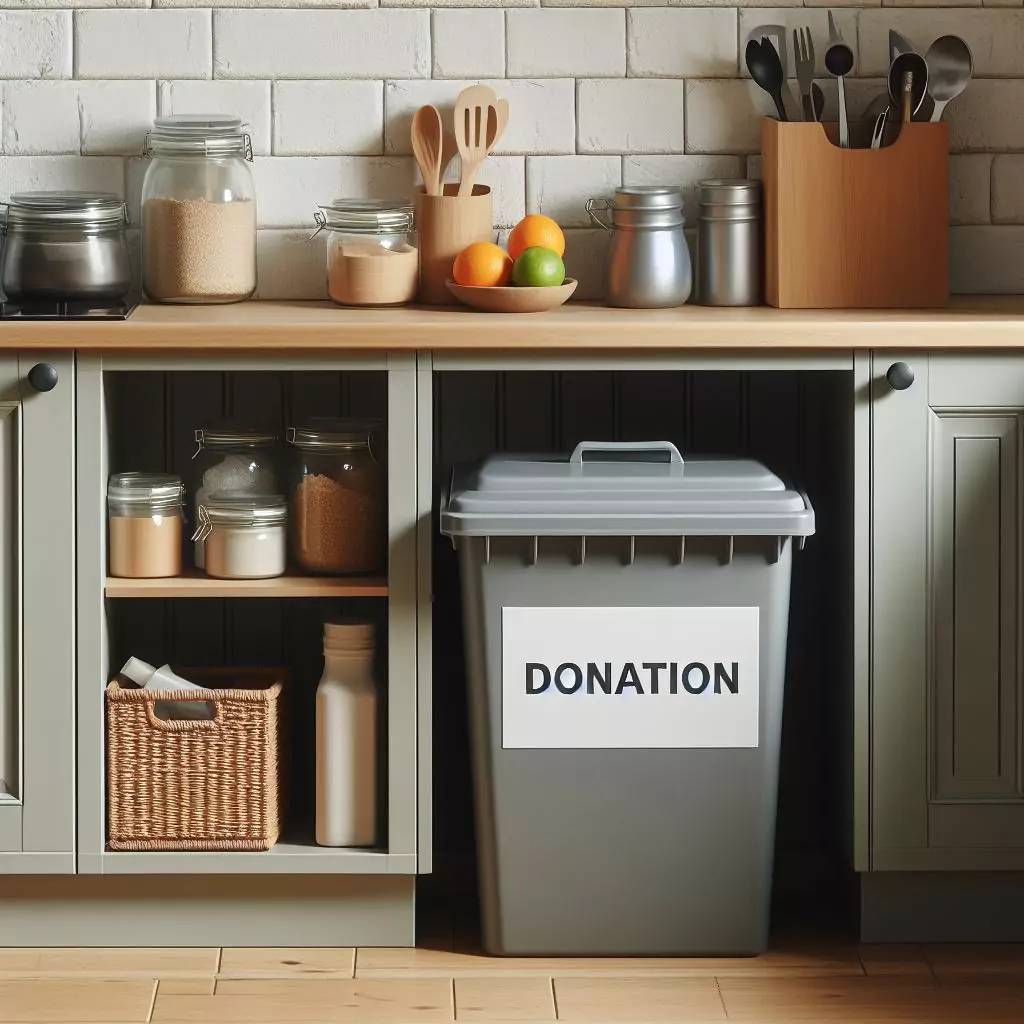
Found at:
(234, 437)
(153, 491)
(199, 135)
(240, 511)
(66, 209)
(647, 197)
(730, 192)
(367, 216)
(329, 433)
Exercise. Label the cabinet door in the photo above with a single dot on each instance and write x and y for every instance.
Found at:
(36, 615)
(947, 701)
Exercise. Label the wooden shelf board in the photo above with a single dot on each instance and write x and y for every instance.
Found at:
(194, 584)
(283, 327)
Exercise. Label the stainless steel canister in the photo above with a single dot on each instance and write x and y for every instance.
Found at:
(648, 258)
(729, 243)
(65, 246)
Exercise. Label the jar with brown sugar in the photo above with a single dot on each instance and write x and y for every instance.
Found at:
(144, 511)
(338, 512)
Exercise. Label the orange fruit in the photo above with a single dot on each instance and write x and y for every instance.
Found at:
(483, 264)
(536, 231)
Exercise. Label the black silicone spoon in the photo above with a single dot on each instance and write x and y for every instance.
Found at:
(765, 69)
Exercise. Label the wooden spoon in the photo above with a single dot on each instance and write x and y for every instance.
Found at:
(426, 146)
(476, 119)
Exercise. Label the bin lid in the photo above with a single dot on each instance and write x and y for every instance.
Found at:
(619, 489)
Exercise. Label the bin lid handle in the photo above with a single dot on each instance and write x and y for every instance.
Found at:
(626, 446)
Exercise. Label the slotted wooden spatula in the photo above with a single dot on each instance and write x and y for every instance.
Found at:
(476, 128)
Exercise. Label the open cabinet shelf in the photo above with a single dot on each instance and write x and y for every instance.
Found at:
(145, 419)
(194, 584)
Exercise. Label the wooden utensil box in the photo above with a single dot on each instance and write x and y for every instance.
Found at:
(855, 228)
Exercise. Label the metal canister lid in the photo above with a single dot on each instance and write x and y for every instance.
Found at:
(333, 433)
(145, 491)
(647, 197)
(67, 209)
(730, 192)
(240, 511)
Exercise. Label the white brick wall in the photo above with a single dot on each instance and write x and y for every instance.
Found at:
(35, 44)
(143, 44)
(630, 116)
(557, 44)
(600, 91)
(312, 118)
(468, 44)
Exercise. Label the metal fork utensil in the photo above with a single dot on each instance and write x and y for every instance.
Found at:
(803, 55)
(878, 132)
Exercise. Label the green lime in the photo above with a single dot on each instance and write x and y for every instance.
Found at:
(538, 268)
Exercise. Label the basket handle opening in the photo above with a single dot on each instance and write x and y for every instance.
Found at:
(212, 724)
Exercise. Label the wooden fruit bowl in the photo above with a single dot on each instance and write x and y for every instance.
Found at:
(513, 300)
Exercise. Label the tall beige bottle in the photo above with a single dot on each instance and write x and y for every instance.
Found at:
(346, 737)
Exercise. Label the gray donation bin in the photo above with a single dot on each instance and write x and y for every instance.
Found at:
(625, 619)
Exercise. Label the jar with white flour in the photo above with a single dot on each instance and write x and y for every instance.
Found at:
(246, 538)
(346, 737)
(232, 460)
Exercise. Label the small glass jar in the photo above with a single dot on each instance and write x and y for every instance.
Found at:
(338, 509)
(198, 211)
(144, 513)
(245, 537)
(66, 247)
(371, 258)
(232, 460)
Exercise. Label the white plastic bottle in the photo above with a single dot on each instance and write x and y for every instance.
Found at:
(346, 737)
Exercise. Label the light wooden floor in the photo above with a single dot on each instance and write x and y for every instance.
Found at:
(831, 983)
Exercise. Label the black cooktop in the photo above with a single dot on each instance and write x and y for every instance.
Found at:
(68, 310)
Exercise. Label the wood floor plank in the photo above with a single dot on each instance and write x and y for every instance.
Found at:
(59, 1000)
(312, 1001)
(432, 963)
(680, 1000)
(107, 963)
(957, 961)
(186, 986)
(886, 959)
(285, 962)
(892, 1000)
(508, 998)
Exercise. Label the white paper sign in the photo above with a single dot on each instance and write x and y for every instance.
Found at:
(629, 677)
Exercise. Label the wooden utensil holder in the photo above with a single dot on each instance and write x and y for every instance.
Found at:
(446, 224)
(855, 228)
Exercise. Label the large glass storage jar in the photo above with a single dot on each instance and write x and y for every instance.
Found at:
(244, 536)
(338, 508)
(198, 211)
(232, 461)
(66, 247)
(371, 259)
(144, 512)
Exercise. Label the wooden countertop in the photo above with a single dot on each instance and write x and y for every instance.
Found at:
(982, 321)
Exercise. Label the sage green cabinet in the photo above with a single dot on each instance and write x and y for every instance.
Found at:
(947, 702)
(37, 629)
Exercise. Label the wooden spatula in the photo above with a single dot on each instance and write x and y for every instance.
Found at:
(476, 126)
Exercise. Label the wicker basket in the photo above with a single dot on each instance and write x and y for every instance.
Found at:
(211, 784)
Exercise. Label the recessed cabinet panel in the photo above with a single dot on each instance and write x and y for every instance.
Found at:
(10, 574)
(974, 568)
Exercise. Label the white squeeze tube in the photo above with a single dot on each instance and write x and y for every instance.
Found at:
(346, 737)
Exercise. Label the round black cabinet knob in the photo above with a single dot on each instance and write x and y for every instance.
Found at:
(43, 376)
(900, 376)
